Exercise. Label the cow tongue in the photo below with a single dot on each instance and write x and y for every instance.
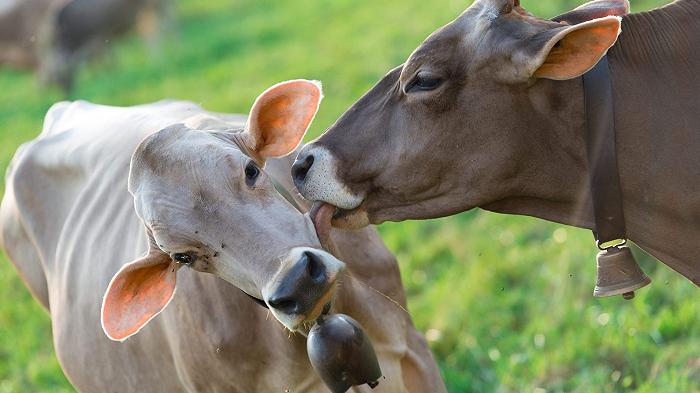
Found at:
(321, 215)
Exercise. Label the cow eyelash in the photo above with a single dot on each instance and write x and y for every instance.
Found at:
(251, 173)
(423, 81)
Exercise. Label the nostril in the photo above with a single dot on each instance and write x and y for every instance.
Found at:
(301, 168)
(285, 304)
(315, 268)
(301, 286)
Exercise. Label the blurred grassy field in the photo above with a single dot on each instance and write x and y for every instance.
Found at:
(505, 301)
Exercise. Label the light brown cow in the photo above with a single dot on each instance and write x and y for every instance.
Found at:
(204, 204)
(488, 112)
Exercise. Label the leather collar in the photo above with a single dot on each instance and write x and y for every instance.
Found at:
(604, 178)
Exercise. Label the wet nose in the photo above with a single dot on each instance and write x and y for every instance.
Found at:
(302, 287)
(301, 168)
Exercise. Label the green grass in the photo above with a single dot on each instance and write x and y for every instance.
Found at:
(506, 301)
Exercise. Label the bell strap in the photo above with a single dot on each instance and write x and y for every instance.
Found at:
(603, 171)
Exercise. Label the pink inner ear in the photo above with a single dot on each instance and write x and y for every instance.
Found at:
(281, 115)
(580, 47)
(137, 293)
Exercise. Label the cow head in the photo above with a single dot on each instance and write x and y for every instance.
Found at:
(208, 205)
(466, 120)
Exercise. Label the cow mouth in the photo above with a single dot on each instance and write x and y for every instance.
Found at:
(302, 323)
(323, 306)
(325, 216)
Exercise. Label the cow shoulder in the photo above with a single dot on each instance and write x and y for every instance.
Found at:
(40, 180)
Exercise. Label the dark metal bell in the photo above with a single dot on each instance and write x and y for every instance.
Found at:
(342, 354)
(618, 273)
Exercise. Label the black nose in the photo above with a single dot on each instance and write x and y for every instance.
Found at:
(302, 286)
(301, 168)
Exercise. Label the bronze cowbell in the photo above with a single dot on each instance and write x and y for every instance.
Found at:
(618, 273)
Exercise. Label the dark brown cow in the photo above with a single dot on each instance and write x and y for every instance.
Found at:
(488, 112)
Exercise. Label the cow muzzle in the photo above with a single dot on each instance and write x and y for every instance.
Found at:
(303, 286)
(315, 175)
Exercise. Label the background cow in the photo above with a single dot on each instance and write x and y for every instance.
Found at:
(20, 22)
(57, 36)
(204, 205)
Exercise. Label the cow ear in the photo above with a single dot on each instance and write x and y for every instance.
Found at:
(593, 10)
(280, 117)
(568, 52)
(137, 293)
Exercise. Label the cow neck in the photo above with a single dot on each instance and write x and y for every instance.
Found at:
(603, 173)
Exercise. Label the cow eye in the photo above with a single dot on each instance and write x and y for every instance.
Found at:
(423, 81)
(251, 173)
(183, 258)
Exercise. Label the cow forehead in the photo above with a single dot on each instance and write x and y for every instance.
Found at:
(181, 156)
(179, 143)
(480, 36)
(453, 44)
(438, 46)
(179, 172)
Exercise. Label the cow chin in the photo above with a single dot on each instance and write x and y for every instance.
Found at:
(351, 219)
